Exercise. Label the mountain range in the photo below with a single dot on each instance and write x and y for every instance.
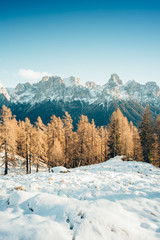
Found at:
(54, 95)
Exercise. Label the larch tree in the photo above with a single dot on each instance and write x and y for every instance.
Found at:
(21, 139)
(137, 147)
(103, 143)
(57, 153)
(82, 132)
(74, 154)
(55, 131)
(39, 143)
(91, 143)
(114, 135)
(8, 133)
(127, 139)
(95, 144)
(28, 144)
(106, 143)
(68, 132)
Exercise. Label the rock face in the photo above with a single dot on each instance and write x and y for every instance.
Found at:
(4, 96)
(71, 89)
(54, 95)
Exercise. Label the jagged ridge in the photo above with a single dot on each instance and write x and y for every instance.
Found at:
(71, 89)
(54, 95)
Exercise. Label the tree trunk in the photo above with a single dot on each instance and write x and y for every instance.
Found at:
(66, 151)
(6, 161)
(37, 167)
(26, 159)
(30, 155)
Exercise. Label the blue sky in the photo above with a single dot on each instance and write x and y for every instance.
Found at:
(87, 39)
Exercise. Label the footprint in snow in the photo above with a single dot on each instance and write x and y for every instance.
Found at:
(81, 215)
(113, 228)
(68, 221)
(145, 225)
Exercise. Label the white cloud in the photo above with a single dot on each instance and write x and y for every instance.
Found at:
(31, 75)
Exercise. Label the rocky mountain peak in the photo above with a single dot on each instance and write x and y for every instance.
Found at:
(72, 81)
(20, 88)
(4, 92)
(114, 80)
(91, 84)
(45, 79)
(72, 89)
(151, 84)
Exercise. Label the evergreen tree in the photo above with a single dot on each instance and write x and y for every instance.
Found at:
(146, 134)
(157, 127)
(155, 157)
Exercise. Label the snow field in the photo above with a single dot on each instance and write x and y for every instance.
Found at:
(110, 201)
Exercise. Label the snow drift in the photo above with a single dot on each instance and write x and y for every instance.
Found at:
(113, 200)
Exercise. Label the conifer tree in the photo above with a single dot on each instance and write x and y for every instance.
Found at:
(28, 144)
(68, 131)
(39, 143)
(137, 147)
(91, 143)
(21, 139)
(55, 131)
(104, 143)
(82, 132)
(155, 157)
(146, 134)
(114, 135)
(106, 153)
(75, 154)
(127, 139)
(157, 131)
(157, 127)
(57, 153)
(8, 134)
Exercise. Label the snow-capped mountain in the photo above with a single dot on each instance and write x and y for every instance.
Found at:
(71, 89)
(4, 96)
(54, 95)
(4, 92)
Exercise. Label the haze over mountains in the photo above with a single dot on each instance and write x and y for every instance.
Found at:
(54, 95)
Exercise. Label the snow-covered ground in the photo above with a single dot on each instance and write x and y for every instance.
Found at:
(114, 200)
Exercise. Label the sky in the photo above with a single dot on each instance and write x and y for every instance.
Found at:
(86, 39)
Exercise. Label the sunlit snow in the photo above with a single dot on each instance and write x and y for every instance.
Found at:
(115, 200)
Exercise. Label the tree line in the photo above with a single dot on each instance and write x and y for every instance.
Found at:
(57, 144)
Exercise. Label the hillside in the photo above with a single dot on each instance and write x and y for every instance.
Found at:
(112, 200)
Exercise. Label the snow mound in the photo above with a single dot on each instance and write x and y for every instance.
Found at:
(112, 200)
(59, 170)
